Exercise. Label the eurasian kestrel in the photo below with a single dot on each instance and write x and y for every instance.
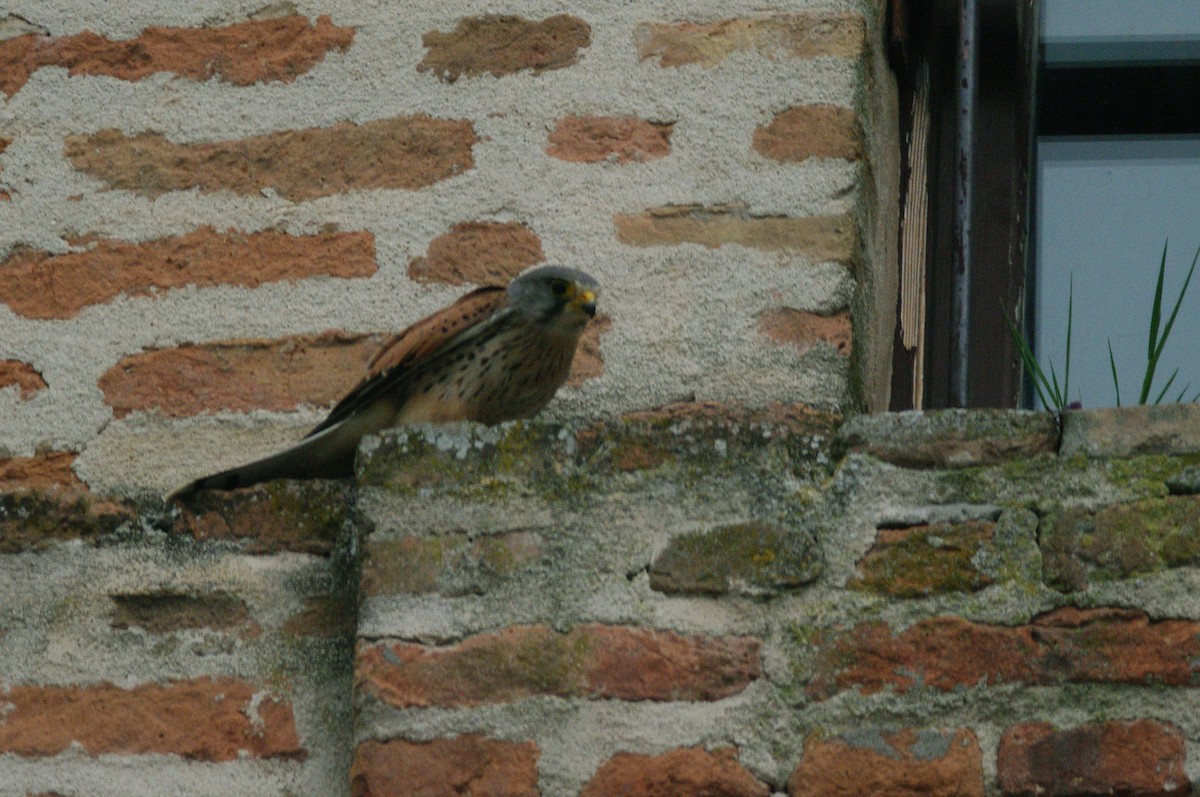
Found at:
(494, 355)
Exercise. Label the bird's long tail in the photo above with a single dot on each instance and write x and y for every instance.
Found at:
(327, 454)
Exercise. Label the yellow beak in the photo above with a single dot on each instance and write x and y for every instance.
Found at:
(586, 301)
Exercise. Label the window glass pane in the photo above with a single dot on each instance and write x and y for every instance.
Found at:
(1105, 207)
(1120, 31)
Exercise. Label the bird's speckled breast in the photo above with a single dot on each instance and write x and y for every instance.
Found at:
(510, 374)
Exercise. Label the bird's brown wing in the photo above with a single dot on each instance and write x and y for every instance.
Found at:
(420, 342)
(432, 332)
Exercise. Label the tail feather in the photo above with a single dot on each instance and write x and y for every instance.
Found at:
(326, 455)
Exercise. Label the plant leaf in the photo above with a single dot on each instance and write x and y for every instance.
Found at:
(1156, 308)
(1112, 363)
(1175, 310)
(1028, 361)
(1163, 392)
(1155, 320)
(1055, 390)
(1066, 391)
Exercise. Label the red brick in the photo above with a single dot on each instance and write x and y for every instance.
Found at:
(207, 719)
(401, 153)
(614, 139)
(4, 142)
(804, 331)
(164, 612)
(503, 45)
(1063, 646)
(40, 472)
(478, 252)
(18, 60)
(302, 516)
(38, 284)
(324, 617)
(239, 375)
(413, 565)
(793, 418)
(810, 131)
(448, 564)
(644, 664)
(277, 49)
(909, 763)
(34, 517)
(820, 238)
(594, 661)
(589, 360)
(464, 766)
(21, 374)
(807, 35)
(676, 773)
(637, 455)
(1143, 757)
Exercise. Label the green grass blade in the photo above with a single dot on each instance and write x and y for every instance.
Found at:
(1183, 392)
(1163, 392)
(1028, 361)
(1112, 363)
(1175, 310)
(1157, 342)
(1066, 391)
(1156, 308)
(1055, 390)
(1152, 345)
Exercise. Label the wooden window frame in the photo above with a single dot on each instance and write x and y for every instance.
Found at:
(966, 247)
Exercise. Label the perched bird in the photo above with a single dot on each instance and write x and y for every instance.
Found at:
(494, 355)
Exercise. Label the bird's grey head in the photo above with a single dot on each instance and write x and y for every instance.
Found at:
(555, 293)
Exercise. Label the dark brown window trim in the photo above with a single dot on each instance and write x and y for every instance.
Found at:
(976, 225)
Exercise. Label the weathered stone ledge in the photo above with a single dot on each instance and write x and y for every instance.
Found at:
(772, 449)
(496, 590)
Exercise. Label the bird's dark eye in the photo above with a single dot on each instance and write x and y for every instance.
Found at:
(559, 287)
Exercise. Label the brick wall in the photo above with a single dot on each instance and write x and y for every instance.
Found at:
(211, 211)
(703, 599)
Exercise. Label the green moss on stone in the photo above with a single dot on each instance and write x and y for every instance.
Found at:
(407, 464)
(409, 564)
(503, 555)
(451, 565)
(473, 462)
(1043, 478)
(755, 558)
(542, 663)
(925, 560)
(521, 451)
(317, 509)
(1080, 546)
(562, 464)
(1148, 476)
(1013, 556)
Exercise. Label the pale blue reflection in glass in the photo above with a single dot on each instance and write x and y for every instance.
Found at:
(1120, 31)
(1105, 206)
